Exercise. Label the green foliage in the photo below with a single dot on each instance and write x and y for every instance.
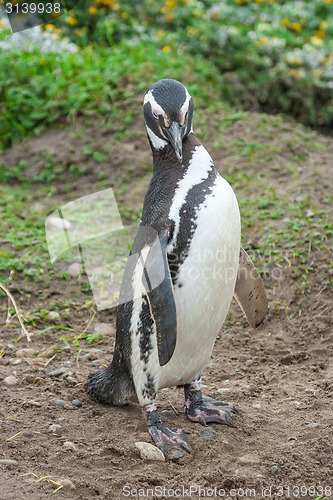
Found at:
(271, 56)
(35, 91)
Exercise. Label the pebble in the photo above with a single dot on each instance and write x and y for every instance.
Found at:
(175, 455)
(69, 445)
(149, 452)
(249, 459)
(74, 270)
(207, 433)
(104, 329)
(257, 475)
(64, 404)
(15, 361)
(53, 316)
(54, 428)
(8, 463)
(11, 380)
(58, 373)
(97, 362)
(26, 353)
(313, 424)
(77, 403)
(257, 406)
(274, 469)
(92, 354)
(66, 483)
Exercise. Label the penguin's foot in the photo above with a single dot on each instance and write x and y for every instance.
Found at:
(164, 437)
(204, 409)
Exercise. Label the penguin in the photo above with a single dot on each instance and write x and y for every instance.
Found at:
(184, 267)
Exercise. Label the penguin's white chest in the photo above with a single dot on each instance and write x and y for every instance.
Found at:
(205, 283)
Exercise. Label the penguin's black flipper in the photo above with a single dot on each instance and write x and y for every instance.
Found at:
(157, 279)
(250, 291)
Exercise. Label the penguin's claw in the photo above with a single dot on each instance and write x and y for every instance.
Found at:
(166, 438)
(205, 409)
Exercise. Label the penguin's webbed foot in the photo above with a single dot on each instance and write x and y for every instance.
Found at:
(205, 410)
(164, 437)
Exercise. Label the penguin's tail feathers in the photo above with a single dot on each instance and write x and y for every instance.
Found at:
(110, 385)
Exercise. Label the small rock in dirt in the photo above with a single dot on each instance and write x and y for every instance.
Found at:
(66, 483)
(257, 475)
(149, 452)
(11, 380)
(77, 403)
(257, 406)
(97, 362)
(74, 270)
(175, 455)
(58, 373)
(313, 424)
(15, 361)
(53, 316)
(207, 433)
(64, 404)
(25, 353)
(70, 446)
(249, 459)
(274, 469)
(103, 329)
(8, 463)
(54, 428)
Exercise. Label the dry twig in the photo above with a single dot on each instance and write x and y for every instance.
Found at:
(9, 295)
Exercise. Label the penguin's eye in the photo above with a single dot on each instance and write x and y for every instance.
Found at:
(155, 114)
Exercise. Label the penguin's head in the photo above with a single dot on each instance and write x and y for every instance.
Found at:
(168, 111)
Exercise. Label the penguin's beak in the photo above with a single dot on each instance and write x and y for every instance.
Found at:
(174, 134)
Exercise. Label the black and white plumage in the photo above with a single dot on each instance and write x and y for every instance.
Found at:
(190, 229)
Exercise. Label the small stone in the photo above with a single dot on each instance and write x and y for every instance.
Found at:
(207, 433)
(8, 463)
(257, 406)
(66, 483)
(74, 270)
(313, 424)
(58, 373)
(249, 459)
(104, 329)
(175, 455)
(149, 452)
(241, 394)
(274, 469)
(11, 380)
(77, 403)
(25, 353)
(15, 361)
(257, 475)
(70, 446)
(64, 404)
(54, 428)
(53, 316)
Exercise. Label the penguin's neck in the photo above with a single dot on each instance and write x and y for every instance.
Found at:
(165, 161)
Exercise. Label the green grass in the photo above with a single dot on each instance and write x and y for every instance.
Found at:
(102, 86)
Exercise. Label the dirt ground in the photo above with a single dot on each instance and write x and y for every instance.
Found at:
(280, 375)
